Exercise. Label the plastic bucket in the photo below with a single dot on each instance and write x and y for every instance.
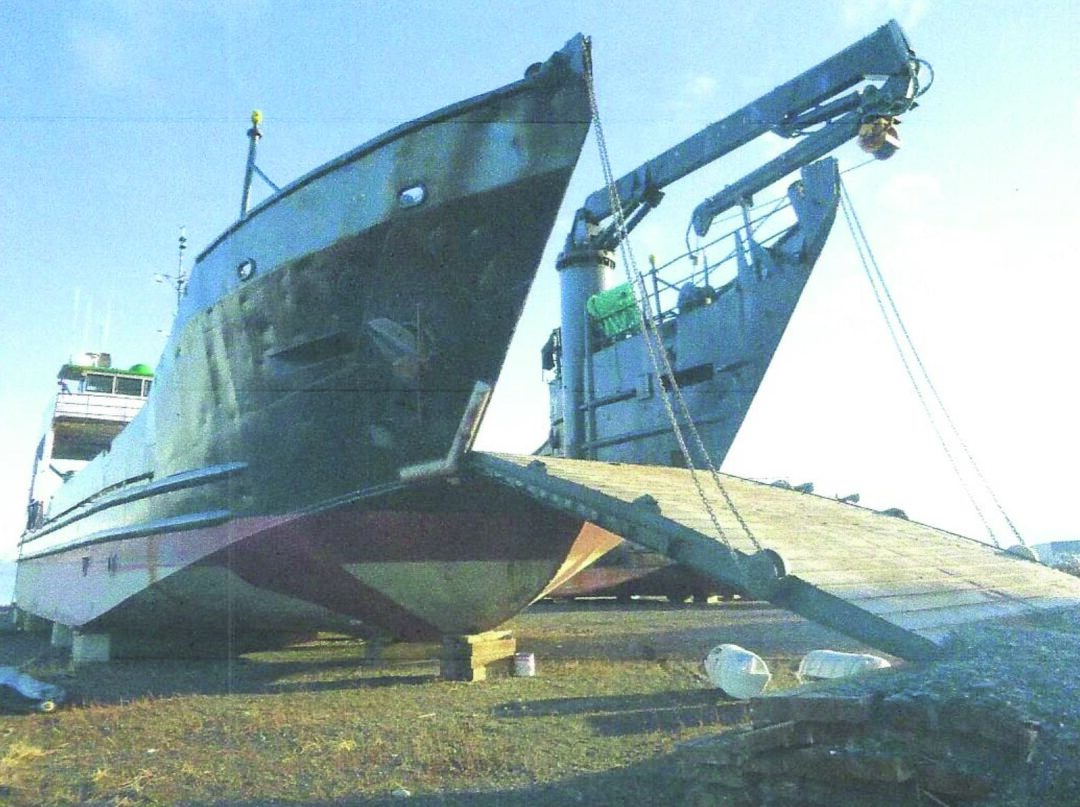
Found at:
(740, 673)
(524, 665)
(823, 664)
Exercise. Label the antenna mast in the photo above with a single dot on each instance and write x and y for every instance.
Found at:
(254, 134)
(181, 278)
(253, 138)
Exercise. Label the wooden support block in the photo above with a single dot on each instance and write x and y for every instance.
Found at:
(816, 793)
(992, 721)
(734, 747)
(829, 764)
(770, 710)
(90, 647)
(938, 777)
(908, 713)
(828, 708)
(815, 707)
(456, 670)
(468, 657)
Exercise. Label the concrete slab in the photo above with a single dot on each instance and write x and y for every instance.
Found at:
(62, 636)
(90, 647)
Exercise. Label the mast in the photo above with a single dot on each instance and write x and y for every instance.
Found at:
(253, 138)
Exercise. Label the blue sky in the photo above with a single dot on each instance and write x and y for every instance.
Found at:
(122, 121)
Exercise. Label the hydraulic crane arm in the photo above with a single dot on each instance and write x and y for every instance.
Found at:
(807, 100)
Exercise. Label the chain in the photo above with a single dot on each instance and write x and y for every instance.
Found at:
(654, 341)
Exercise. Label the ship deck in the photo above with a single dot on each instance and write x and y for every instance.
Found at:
(894, 584)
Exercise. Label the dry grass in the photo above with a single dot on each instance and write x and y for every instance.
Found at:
(320, 724)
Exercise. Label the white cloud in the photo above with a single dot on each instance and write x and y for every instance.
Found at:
(114, 43)
(701, 86)
(692, 95)
(101, 58)
(899, 189)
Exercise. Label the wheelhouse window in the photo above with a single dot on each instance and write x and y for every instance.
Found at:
(96, 382)
(129, 386)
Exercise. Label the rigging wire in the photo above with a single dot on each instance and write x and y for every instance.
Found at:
(893, 321)
(751, 227)
(654, 342)
(779, 203)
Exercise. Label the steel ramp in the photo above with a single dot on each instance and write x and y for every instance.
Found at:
(891, 583)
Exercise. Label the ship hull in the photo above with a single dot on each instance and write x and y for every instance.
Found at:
(720, 350)
(427, 561)
(333, 337)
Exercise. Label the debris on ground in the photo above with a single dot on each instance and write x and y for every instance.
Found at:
(738, 672)
(820, 665)
(20, 693)
(995, 721)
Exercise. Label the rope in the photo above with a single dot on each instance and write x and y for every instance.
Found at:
(883, 296)
(649, 332)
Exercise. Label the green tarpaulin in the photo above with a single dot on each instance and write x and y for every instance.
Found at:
(614, 310)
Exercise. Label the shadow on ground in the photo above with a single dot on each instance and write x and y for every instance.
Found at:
(646, 630)
(637, 714)
(121, 681)
(651, 782)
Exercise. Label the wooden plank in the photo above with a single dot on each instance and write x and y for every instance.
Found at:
(921, 621)
(826, 560)
(900, 604)
(874, 576)
(864, 589)
(945, 580)
(918, 621)
(885, 601)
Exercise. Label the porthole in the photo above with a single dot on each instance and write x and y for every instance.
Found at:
(245, 270)
(411, 197)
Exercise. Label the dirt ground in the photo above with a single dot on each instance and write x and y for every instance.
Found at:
(616, 687)
(652, 628)
(645, 629)
(587, 654)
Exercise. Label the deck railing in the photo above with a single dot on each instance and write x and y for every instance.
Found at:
(98, 406)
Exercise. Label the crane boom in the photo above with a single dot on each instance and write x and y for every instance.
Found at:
(806, 100)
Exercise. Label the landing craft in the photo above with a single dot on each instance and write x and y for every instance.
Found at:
(687, 343)
(296, 460)
(346, 329)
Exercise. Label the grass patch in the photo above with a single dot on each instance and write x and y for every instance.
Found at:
(320, 724)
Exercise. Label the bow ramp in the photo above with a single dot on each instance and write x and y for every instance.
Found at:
(891, 583)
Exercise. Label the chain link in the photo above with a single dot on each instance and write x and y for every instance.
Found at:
(654, 341)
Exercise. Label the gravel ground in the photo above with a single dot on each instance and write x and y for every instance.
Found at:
(1031, 666)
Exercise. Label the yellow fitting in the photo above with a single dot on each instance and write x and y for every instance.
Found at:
(879, 137)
